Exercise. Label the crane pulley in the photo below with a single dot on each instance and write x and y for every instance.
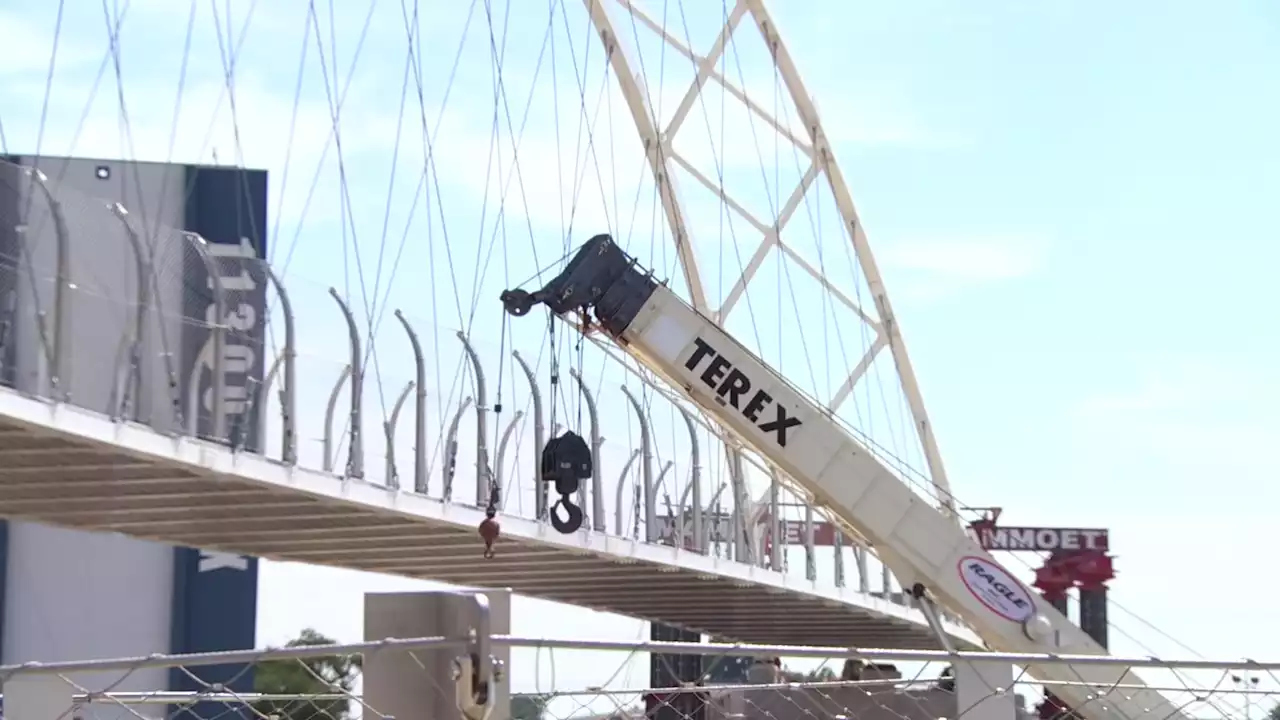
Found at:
(566, 462)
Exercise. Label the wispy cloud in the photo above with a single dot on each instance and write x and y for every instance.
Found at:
(880, 120)
(28, 43)
(1199, 412)
(929, 268)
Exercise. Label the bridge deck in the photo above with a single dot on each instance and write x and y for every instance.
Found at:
(66, 466)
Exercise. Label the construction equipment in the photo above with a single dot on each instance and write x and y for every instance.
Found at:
(602, 290)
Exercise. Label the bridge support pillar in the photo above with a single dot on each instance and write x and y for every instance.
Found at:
(419, 685)
(984, 691)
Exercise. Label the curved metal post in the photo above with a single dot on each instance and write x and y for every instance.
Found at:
(329, 410)
(775, 523)
(288, 390)
(483, 478)
(713, 511)
(716, 511)
(695, 482)
(864, 575)
(120, 385)
(59, 363)
(657, 483)
(134, 400)
(451, 451)
(646, 469)
(695, 511)
(810, 559)
(419, 409)
(389, 429)
(272, 372)
(838, 558)
(622, 488)
(219, 332)
(355, 449)
(539, 438)
(597, 491)
(264, 392)
(741, 544)
(785, 529)
(6, 322)
(502, 451)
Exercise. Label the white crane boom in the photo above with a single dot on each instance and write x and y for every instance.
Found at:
(927, 551)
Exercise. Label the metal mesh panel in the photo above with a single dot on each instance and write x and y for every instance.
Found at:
(132, 318)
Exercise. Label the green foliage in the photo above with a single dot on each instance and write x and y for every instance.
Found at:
(330, 675)
(1275, 713)
(528, 707)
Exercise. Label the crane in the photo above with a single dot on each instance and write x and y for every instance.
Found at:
(926, 549)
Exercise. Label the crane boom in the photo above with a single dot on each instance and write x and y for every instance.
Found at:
(926, 550)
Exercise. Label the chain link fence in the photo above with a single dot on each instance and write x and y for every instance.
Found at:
(373, 680)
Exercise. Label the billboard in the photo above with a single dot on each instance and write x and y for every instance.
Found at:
(215, 594)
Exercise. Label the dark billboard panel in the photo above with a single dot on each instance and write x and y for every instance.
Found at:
(215, 594)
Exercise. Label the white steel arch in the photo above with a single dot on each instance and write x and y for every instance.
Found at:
(662, 156)
(657, 150)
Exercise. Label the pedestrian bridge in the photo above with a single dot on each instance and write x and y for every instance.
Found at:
(72, 467)
(127, 407)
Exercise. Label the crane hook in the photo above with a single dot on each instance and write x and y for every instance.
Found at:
(573, 516)
(566, 461)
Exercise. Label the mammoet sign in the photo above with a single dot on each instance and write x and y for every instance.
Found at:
(1034, 539)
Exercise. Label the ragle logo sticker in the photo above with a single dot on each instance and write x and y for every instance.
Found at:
(732, 387)
(994, 587)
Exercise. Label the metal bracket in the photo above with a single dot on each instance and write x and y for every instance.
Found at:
(477, 673)
(932, 615)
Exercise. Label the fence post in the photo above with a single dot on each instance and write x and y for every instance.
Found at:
(420, 685)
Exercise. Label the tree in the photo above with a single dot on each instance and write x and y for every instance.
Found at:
(327, 675)
(528, 706)
(1275, 713)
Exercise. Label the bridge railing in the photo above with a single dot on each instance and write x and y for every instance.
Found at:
(108, 308)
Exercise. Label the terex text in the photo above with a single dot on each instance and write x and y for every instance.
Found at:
(734, 388)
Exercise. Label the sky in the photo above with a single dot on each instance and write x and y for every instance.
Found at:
(1071, 205)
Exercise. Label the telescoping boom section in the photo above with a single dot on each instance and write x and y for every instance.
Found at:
(927, 551)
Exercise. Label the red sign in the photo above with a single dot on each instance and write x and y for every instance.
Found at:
(1031, 539)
